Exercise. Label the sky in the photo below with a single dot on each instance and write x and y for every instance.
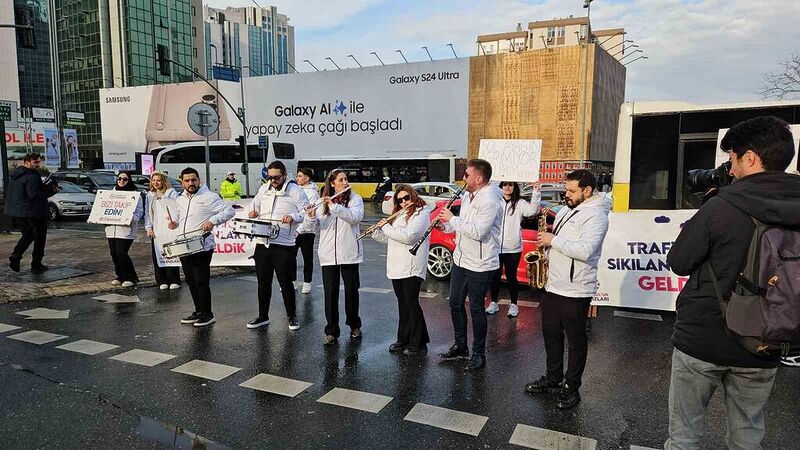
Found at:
(699, 51)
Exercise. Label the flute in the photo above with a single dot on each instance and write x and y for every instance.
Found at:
(375, 227)
(319, 201)
(413, 250)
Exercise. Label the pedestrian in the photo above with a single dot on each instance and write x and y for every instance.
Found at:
(230, 188)
(712, 247)
(407, 271)
(157, 210)
(121, 237)
(515, 210)
(475, 259)
(573, 251)
(26, 204)
(340, 252)
(199, 211)
(283, 202)
(307, 230)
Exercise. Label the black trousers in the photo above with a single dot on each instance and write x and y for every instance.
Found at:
(164, 275)
(34, 230)
(305, 243)
(277, 259)
(330, 283)
(197, 271)
(509, 262)
(411, 329)
(565, 315)
(123, 264)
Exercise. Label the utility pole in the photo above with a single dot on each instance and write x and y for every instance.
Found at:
(55, 74)
(588, 5)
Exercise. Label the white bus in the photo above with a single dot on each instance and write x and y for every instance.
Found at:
(225, 156)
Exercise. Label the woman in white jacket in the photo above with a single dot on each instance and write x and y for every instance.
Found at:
(120, 238)
(515, 209)
(340, 253)
(407, 271)
(306, 231)
(156, 213)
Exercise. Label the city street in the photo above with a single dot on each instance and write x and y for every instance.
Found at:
(59, 398)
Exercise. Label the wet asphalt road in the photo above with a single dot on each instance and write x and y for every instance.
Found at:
(53, 398)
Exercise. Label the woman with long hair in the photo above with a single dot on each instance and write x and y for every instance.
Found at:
(515, 209)
(307, 230)
(407, 271)
(120, 238)
(156, 213)
(340, 252)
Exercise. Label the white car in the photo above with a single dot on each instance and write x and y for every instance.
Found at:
(70, 201)
(431, 192)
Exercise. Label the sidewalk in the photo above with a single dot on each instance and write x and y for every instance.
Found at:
(82, 251)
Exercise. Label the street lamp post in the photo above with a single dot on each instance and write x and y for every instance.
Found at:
(379, 58)
(354, 59)
(631, 53)
(426, 51)
(588, 5)
(310, 64)
(334, 62)
(635, 59)
(453, 49)
(401, 54)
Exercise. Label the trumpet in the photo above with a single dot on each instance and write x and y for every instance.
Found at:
(317, 203)
(413, 250)
(375, 227)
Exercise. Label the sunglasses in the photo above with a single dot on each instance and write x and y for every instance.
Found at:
(122, 178)
(274, 177)
(399, 199)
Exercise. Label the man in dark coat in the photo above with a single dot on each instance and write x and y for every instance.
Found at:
(26, 203)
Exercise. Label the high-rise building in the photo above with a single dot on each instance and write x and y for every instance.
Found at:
(258, 39)
(33, 65)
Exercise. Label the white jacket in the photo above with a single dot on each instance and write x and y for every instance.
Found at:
(310, 224)
(122, 232)
(338, 232)
(477, 229)
(274, 204)
(154, 208)
(401, 236)
(575, 251)
(194, 210)
(511, 230)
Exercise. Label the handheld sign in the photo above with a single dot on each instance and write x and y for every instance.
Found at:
(114, 207)
(512, 159)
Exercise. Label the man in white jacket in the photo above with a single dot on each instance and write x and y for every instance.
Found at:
(199, 209)
(475, 259)
(284, 201)
(575, 245)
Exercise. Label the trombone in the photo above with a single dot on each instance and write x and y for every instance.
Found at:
(375, 227)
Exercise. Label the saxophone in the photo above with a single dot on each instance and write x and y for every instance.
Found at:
(537, 260)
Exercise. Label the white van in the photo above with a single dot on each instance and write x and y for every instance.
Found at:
(225, 156)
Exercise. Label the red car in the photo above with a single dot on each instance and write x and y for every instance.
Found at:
(440, 255)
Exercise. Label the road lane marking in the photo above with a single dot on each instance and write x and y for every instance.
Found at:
(276, 385)
(143, 357)
(363, 401)
(5, 327)
(205, 369)
(448, 419)
(88, 347)
(37, 337)
(543, 439)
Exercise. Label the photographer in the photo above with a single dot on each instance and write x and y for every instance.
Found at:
(26, 202)
(705, 355)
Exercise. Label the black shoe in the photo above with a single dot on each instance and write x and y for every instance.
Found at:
(475, 363)
(294, 324)
(38, 268)
(191, 318)
(205, 319)
(356, 333)
(413, 351)
(542, 386)
(568, 398)
(397, 347)
(13, 263)
(257, 322)
(455, 352)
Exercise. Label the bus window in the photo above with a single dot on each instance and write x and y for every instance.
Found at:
(255, 154)
(439, 170)
(654, 156)
(184, 155)
(230, 154)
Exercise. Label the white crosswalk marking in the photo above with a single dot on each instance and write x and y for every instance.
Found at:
(5, 327)
(363, 401)
(37, 337)
(448, 419)
(635, 315)
(87, 347)
(206, 369)
(117, 298)
(276, 385)
(542, 439)
(143, 357)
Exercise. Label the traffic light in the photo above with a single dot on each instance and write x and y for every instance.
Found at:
(242, 145)
(162, 52)
(23, 18)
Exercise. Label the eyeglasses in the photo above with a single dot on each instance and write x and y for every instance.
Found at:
(399, 199)
(122, 178)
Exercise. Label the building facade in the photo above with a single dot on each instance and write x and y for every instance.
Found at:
(259, 40)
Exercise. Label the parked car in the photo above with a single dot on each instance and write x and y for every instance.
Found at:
(432, 192)
(70, 201)
(551, 192)
(442, 245)
(90, 181)
(142, 183)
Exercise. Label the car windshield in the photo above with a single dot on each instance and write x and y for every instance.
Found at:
(104, 178)
(69, 188)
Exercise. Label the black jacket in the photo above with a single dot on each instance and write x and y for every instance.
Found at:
(720, 232)
(25, 195)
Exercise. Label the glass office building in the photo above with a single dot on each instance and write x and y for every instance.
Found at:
(33, 65)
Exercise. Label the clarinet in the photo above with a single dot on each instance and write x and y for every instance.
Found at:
(413, 250)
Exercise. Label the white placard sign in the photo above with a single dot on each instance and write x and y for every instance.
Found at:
(512, 159)
(633, 270)
(114, 207)
(721, 156)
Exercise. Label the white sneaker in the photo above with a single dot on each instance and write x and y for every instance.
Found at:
(115, 282)
(174, 286)
(792, 361)
(513, 310)
(164, 287)
(296, 284)
(128, 283)
(493, 308)
(306, 288)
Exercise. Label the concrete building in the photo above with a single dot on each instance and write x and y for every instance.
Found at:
(259, 39)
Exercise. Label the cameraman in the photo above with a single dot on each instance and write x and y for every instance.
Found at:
(26, 202)
(705, 356)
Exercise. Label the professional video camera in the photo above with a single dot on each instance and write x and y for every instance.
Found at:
(51, 186)
(706, 182)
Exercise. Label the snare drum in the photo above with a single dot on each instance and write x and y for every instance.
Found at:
(183, 247)
(256, 228)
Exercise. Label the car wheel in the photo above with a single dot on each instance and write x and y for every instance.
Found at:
(53, 211)
(440, 262)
